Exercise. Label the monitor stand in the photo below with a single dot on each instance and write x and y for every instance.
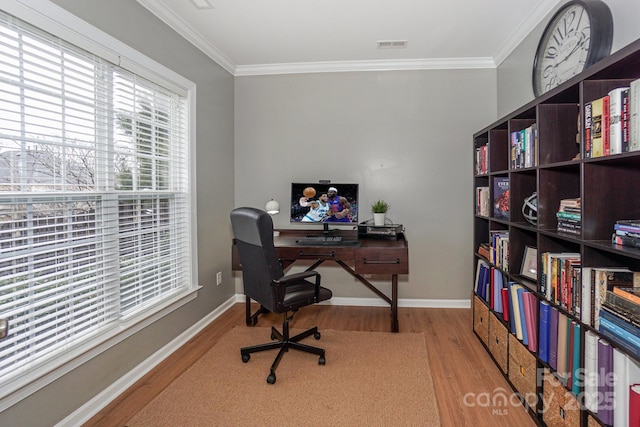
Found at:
(326, 231)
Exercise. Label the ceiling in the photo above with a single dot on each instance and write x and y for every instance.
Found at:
(249, 37)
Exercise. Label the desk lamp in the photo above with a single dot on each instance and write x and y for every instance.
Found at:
(273, 207)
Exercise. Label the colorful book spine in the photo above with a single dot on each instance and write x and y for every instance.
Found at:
(597, 124)
(616, 116)
(634, 405)
(587, 129)
(553, 338)
(543, 336)
(605, 386)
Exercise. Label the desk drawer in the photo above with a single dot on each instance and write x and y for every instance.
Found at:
(313, 253)
(382, 261)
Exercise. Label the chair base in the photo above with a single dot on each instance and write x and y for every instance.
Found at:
(284, 343)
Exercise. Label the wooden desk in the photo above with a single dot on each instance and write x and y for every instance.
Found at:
(368, 256)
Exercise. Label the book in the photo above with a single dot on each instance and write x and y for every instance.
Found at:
(587, 292)
(616, 102)
(501, 197)
(629, 222)
(522, 313)
(587, 129)
(634, 115)
(543, 335)
(553, 337)
(623, 307)
(619, 337)
(597, 124)
(606, 279)
(576, 371)
(531, 311)
(634, 405)
(605, 386)
(628, 241)
(563, 345)
(606, 126)
(629, 293)
(591, 370)
(504, 294)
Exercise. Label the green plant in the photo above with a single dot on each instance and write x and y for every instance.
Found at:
(380, 207)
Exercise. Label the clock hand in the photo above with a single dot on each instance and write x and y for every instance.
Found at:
(575, 48)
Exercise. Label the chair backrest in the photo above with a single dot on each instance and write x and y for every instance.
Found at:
(253, 232)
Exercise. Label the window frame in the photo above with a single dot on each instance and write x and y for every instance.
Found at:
(61, 23)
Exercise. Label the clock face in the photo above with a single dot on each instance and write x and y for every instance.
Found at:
(572, 41)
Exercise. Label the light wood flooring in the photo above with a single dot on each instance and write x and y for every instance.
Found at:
(465, 378)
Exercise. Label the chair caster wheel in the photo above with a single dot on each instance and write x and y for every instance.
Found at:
(271, 379)
(246, 357)
(317, 335)
(322, 360)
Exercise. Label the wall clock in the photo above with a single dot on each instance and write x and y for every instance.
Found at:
(579, 35)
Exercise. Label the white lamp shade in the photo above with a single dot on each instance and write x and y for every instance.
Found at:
(272, 207)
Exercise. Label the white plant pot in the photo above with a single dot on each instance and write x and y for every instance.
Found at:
(378, 218)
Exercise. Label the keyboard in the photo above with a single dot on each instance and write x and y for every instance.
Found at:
(319, 240)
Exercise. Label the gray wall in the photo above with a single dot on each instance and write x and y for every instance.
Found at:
(514, 74)
(133, 25)
(404, 136)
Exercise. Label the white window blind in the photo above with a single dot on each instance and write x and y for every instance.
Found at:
(94, 195)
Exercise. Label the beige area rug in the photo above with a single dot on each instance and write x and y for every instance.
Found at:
(370, 379)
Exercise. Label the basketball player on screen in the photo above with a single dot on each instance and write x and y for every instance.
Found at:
(340, 207)
(318, 211)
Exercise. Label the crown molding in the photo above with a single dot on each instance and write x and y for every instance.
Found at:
(162, 12)
(522, 31)
(380, 65)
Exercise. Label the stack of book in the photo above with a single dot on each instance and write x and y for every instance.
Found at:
(627, 233)
(569, 216)
(620, 318)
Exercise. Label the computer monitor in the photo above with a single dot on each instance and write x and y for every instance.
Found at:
(324, 204)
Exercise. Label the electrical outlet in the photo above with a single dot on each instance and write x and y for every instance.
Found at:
(219, 278)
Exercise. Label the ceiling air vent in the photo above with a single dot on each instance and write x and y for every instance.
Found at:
(392, 44)
(202, 4)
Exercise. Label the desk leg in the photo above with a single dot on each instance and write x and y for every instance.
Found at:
(394, 303)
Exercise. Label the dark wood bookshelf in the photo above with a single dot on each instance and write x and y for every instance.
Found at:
(608, 190)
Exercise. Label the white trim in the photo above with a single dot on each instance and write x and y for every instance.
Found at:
(522, 31)
(381, 65)
(377, 302)
(101, 400)
(162, 12)
(166, 15)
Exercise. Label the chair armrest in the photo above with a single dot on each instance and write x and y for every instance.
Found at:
(296, 277)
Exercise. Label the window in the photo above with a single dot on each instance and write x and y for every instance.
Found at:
(95, 197)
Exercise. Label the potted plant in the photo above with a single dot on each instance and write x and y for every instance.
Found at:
(379, 210)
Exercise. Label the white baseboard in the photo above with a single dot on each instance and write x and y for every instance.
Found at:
(377, 302)
(100, 401)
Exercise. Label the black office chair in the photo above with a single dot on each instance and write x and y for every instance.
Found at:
(265, 283)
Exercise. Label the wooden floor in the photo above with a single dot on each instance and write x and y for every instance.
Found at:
(465, 378)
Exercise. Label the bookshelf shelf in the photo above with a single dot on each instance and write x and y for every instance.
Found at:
(543, 152)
